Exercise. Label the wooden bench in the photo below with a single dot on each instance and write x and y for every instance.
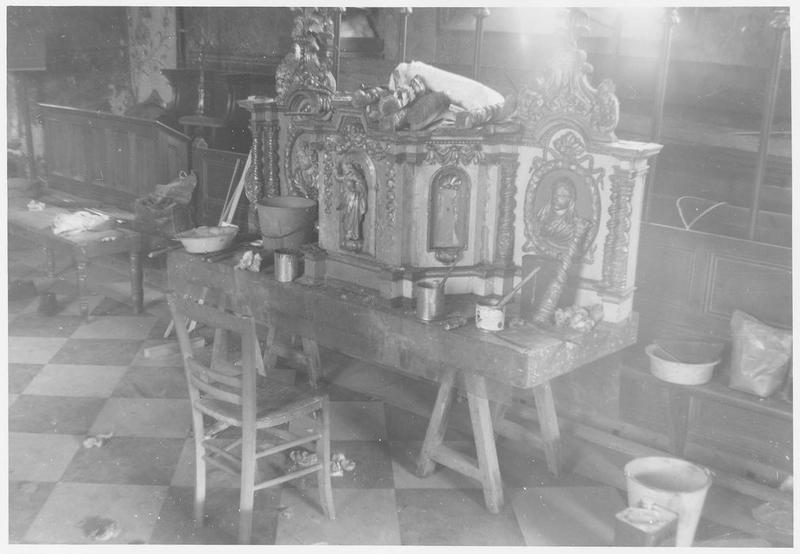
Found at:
(718, 417)
(83, 247)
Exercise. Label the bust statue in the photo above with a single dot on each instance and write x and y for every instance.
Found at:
(554, 224)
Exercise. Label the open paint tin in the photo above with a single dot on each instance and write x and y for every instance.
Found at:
(489, 317)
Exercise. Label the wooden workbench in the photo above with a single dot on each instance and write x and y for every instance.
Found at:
(486, 366)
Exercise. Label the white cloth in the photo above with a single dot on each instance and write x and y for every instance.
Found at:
(462, 91)
(67, 224)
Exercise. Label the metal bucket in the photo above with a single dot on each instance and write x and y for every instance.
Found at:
(287, 264)
(430, 300)
(286, 221)
(488, 317)
(671, 483)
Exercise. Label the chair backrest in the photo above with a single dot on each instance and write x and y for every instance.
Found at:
(220, 380)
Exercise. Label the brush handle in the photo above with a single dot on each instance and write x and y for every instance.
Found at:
(446, 276)
(507, 297)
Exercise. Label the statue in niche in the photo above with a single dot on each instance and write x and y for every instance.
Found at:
(305, 172)
(352, 203)
(554, 224)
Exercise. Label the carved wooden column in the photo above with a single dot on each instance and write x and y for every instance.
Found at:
(615, 260)
(504, 250)
(262, 178)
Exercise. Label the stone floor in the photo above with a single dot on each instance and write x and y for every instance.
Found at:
(69, 379)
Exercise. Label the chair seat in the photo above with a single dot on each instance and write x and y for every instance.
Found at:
(276, 402)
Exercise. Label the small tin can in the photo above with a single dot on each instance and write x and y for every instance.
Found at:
(287, 265)
(430, 300)
(489, 317)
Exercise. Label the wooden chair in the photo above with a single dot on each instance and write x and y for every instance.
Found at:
(234, 396)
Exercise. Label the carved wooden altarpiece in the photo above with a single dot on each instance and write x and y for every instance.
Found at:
(470, 197)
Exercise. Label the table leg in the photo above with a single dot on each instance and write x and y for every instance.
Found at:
(678, 402)
(438, 423)
(83, 279)
(548, 423)
(49, 262)
(482, 429)
(313, 364)
(137, 285)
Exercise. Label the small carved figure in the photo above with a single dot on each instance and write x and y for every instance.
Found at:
(305, 172)
(353, 202)
(555, 223)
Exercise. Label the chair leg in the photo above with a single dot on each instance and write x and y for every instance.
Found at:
(270, 359)
(247, 485)
(324, 453)
(199, 471)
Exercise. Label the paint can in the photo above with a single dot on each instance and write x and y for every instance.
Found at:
(430, 300)
(489, 317)
(287, 264)
(672, 483)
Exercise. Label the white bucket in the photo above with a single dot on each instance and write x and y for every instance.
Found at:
(670, 483)
(488, 317)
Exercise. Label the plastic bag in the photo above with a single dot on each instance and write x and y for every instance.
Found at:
(180, 189)
(760, 355)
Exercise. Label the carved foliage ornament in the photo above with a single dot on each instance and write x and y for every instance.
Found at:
(450, 154)
(308, 64)
(564, 186)
(563, 94)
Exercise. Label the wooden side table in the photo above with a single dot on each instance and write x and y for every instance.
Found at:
(82, 247)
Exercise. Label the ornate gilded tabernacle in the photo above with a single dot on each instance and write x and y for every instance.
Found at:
(397, 205)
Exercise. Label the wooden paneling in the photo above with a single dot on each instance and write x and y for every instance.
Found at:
(690, 282)
(110, 158)
(761, 290)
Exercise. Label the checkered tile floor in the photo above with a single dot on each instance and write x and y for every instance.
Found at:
(69, 379)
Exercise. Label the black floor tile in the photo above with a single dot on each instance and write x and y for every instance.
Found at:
(20, 375)
(25, 499)
(175, 523)
(454, 517)
(53, 414)
(126, 460)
